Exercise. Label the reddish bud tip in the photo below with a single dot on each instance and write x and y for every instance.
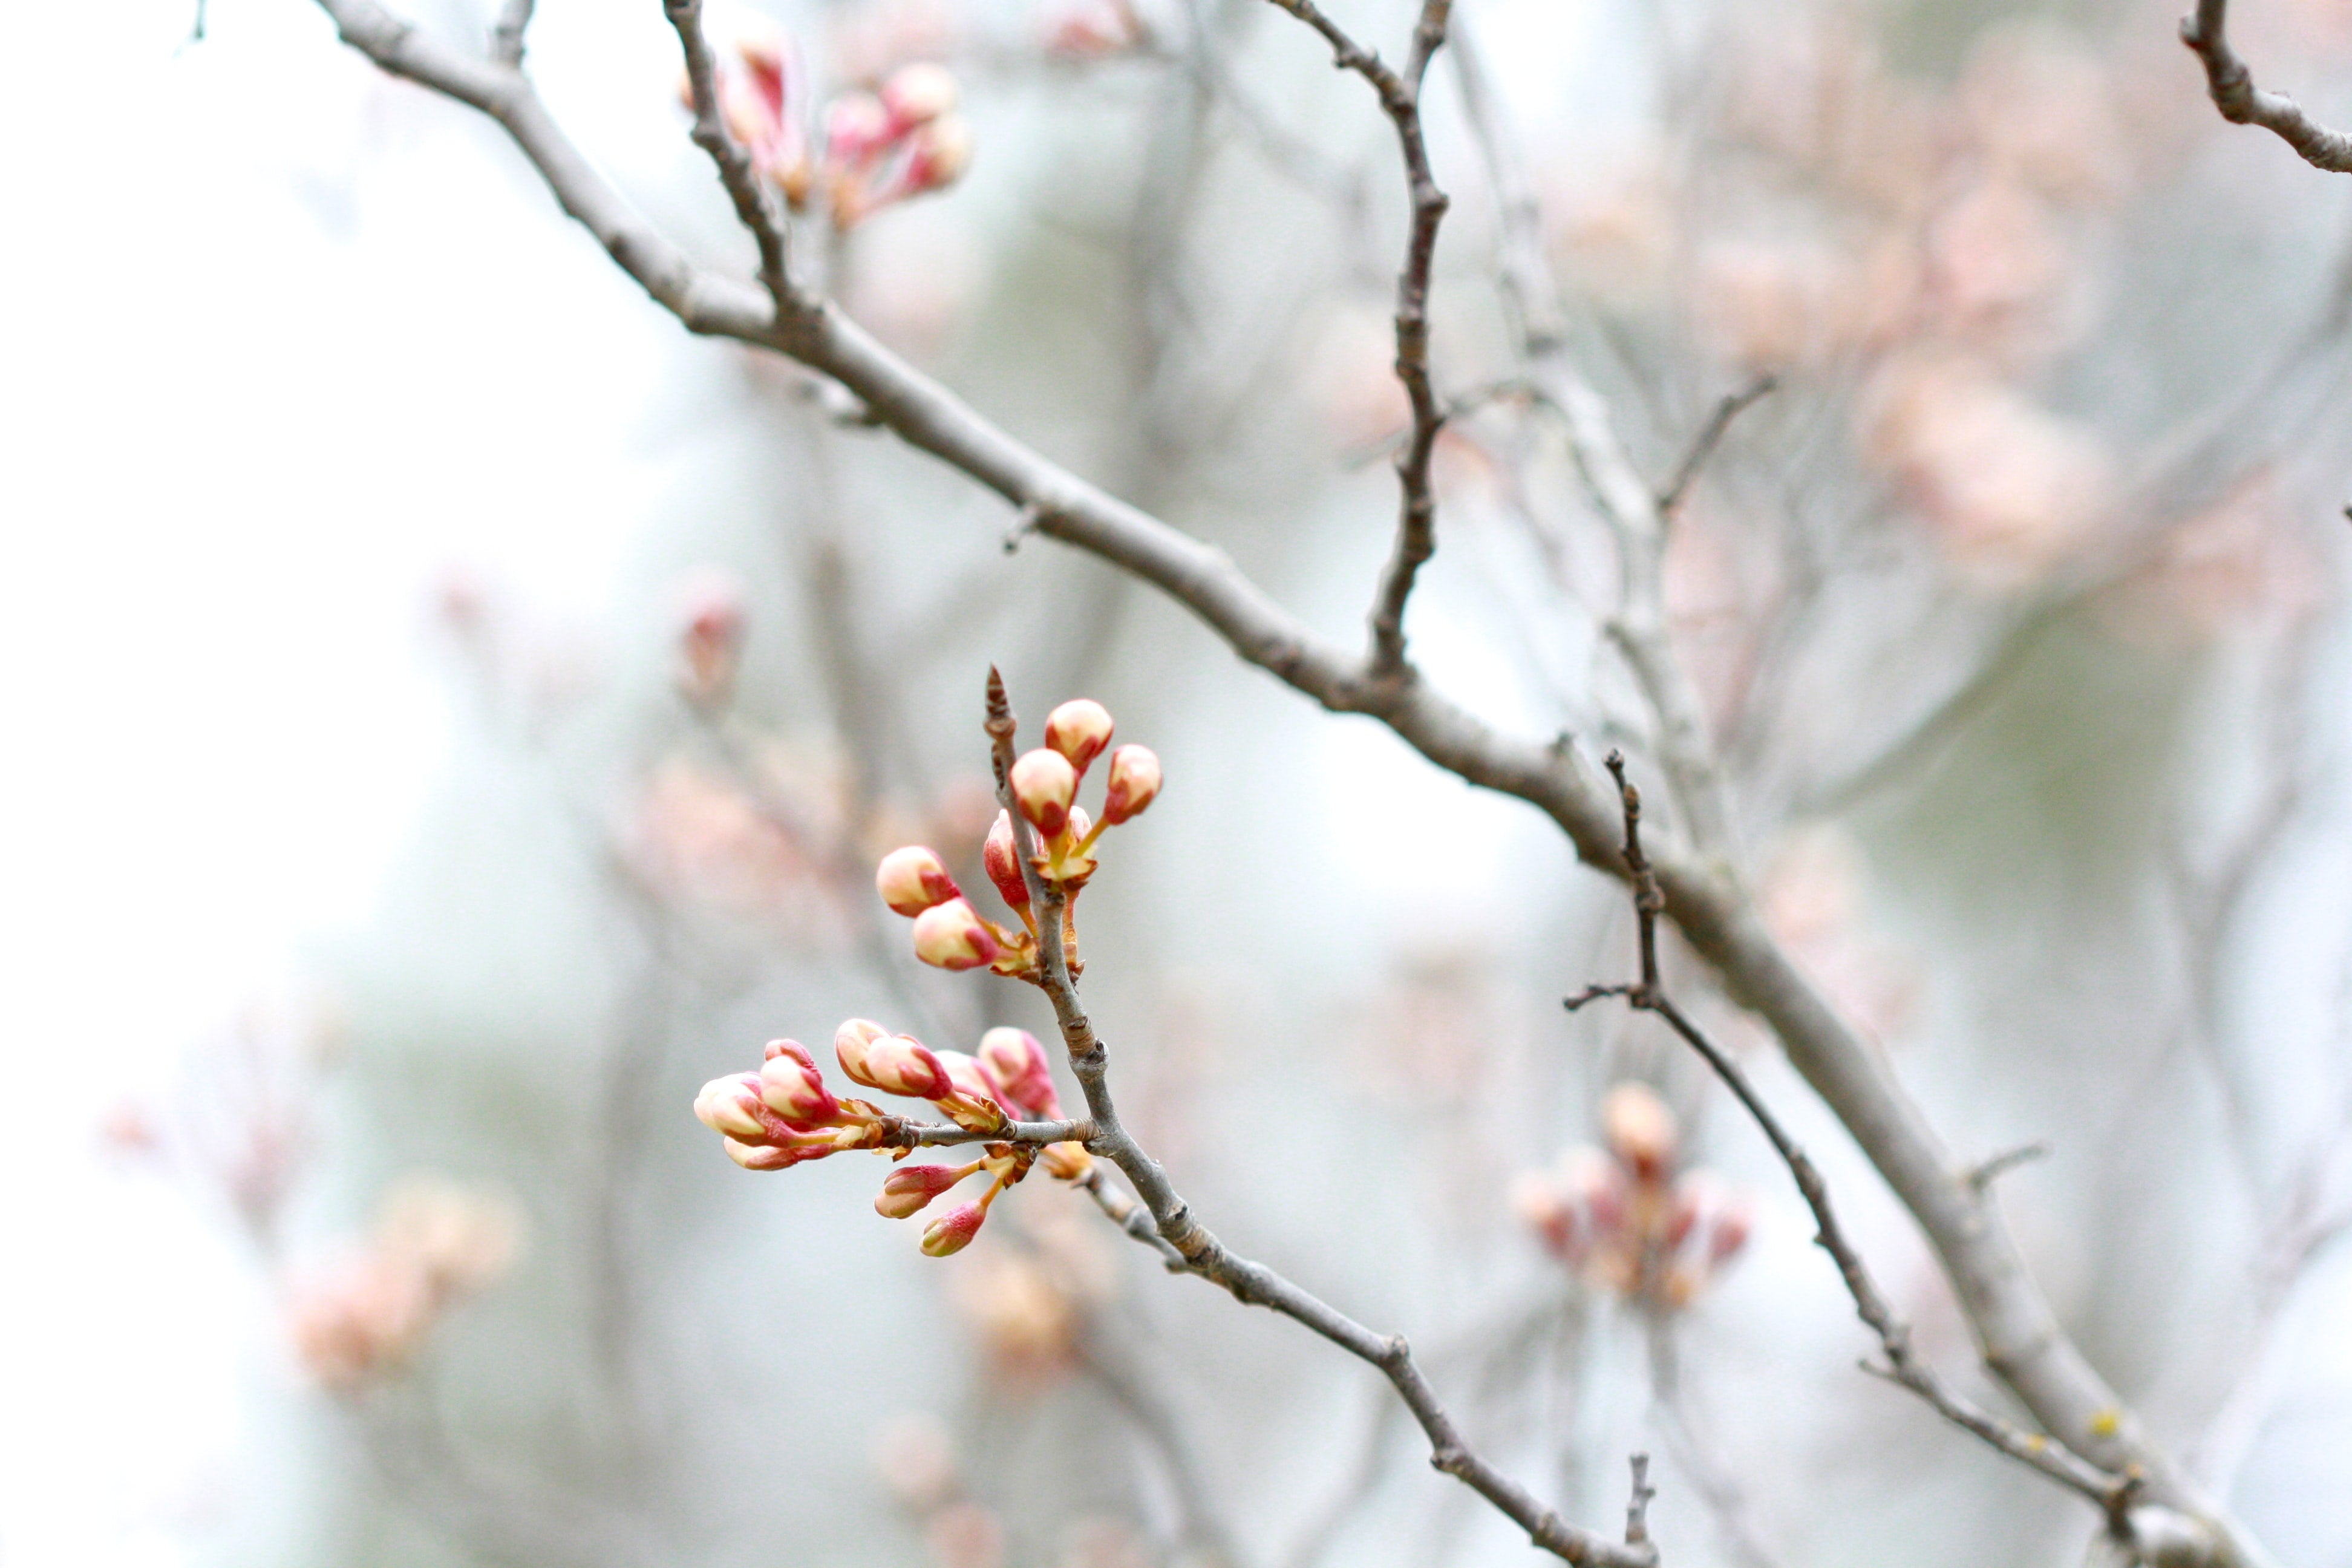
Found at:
(952, 1231)
(1079, 730)
(1134, 782)
(1734, 1223)
(909, 1187)
(791, 1087)
(712, 635)
(954, 936)
(1001, 855)
(1043, 784)
(856, 126)
(903, 1065)
(913, 880)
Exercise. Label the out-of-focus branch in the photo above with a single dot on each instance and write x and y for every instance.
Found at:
(2243, 103)
(2018, 1333)
(1636, 514)
(1251, 1283)
(506, 38)
(755, 204)
(1710, 435)
(1399, 96)
(2051, 1458)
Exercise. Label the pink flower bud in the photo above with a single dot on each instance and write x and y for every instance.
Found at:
(913, 880)
(1043, 784)
(903, 1065)
(1079, 730)
(942, 151)
(1080, 825)
(1001, 855)
(918, 93)
(954, 936)
(1134, 782)
(952, 1231)
(1016, 1064)
(856, 127)
(791, 1087)
(1641, 1130)
(725, 1105)
(763, 1157)
(909, 1187)
(965, 1073)
(1596, 1185)
(852, 1043)
(1734, 1223)
(711, 636)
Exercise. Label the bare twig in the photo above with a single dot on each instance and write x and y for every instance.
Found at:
(506, 38)
(1732, 405)
(1984, 1172)
(2053, 1458)
(1400, 95)
(755, 204)
(2243, 103)
(1253, 1283)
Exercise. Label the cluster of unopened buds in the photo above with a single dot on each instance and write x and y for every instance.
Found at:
(784, 1114)
(880, 147)
(948, 932)
(1626, 1218)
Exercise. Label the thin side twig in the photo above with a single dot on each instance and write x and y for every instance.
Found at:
(1710, 435)
(506, 38)
(755, 204)
(2112, 1493)
(1399, 96)
(2242, 103)
(1248, 1282)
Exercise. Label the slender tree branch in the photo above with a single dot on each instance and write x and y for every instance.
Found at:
(755, 204)
(1399, 96)
(1710, 435)
(2051, 1458)
(2243, 103)
(2020, 1336)
(1253, 1283)
(506, 38)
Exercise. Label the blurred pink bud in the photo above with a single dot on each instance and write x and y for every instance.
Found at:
(918, 94)
(1015, 1063)
(1548, 1214)
(952, 1231)
(856, 127)
(1641, 1131)
(1080, 825)
(726, 1105)
(1596, 1185)
(913, 880)
(941, 153)
(909, 1187)
(711, 606)
(1043, 784)
(903, 1065)
(954, 936)
(1079, 730)
(1001, 855)
(1734, 1223)
(851, 1045)
(1134, 782)
(1683, 1212)
(791, 1087)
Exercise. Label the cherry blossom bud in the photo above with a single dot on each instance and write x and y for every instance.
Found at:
(711, 638)
(913, 880)
(1134, 782)
(762, 1157)
(852, 1043)
(1641, 1130)
(903, 1065)
(1043, 784)
(1683, 1213)
(965, 1073)
(1016, 1064)
(909, 1187)
(952, 1231)
(726, 1105)
(954, 936)
(1080, 825)
(1079, 730)
(941, 153)
(856, 126)
(1001, 855)
(918, 94)
(791, 1087)
(1596, 1185)
(1734, 1223)
(1549, 1214)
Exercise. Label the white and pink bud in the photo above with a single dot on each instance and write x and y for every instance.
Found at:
(856, 128)
(1595, 1184)
(903, 1065)
(1001, 855)
(1079, 730)
(1134, 783)
(1549, 1214)
(909, 1188)
(1735, 1222)
(791, 1087)
(852, 1045)
(913, 880)
(764, 1157)
(918, 94)
(729, 1106)
(1044, 785)
(1016, 1066)
(952, 1231)
(953, 936)
(938, 152)
(1642, 1132)
(964, 1072)
(711, 636)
